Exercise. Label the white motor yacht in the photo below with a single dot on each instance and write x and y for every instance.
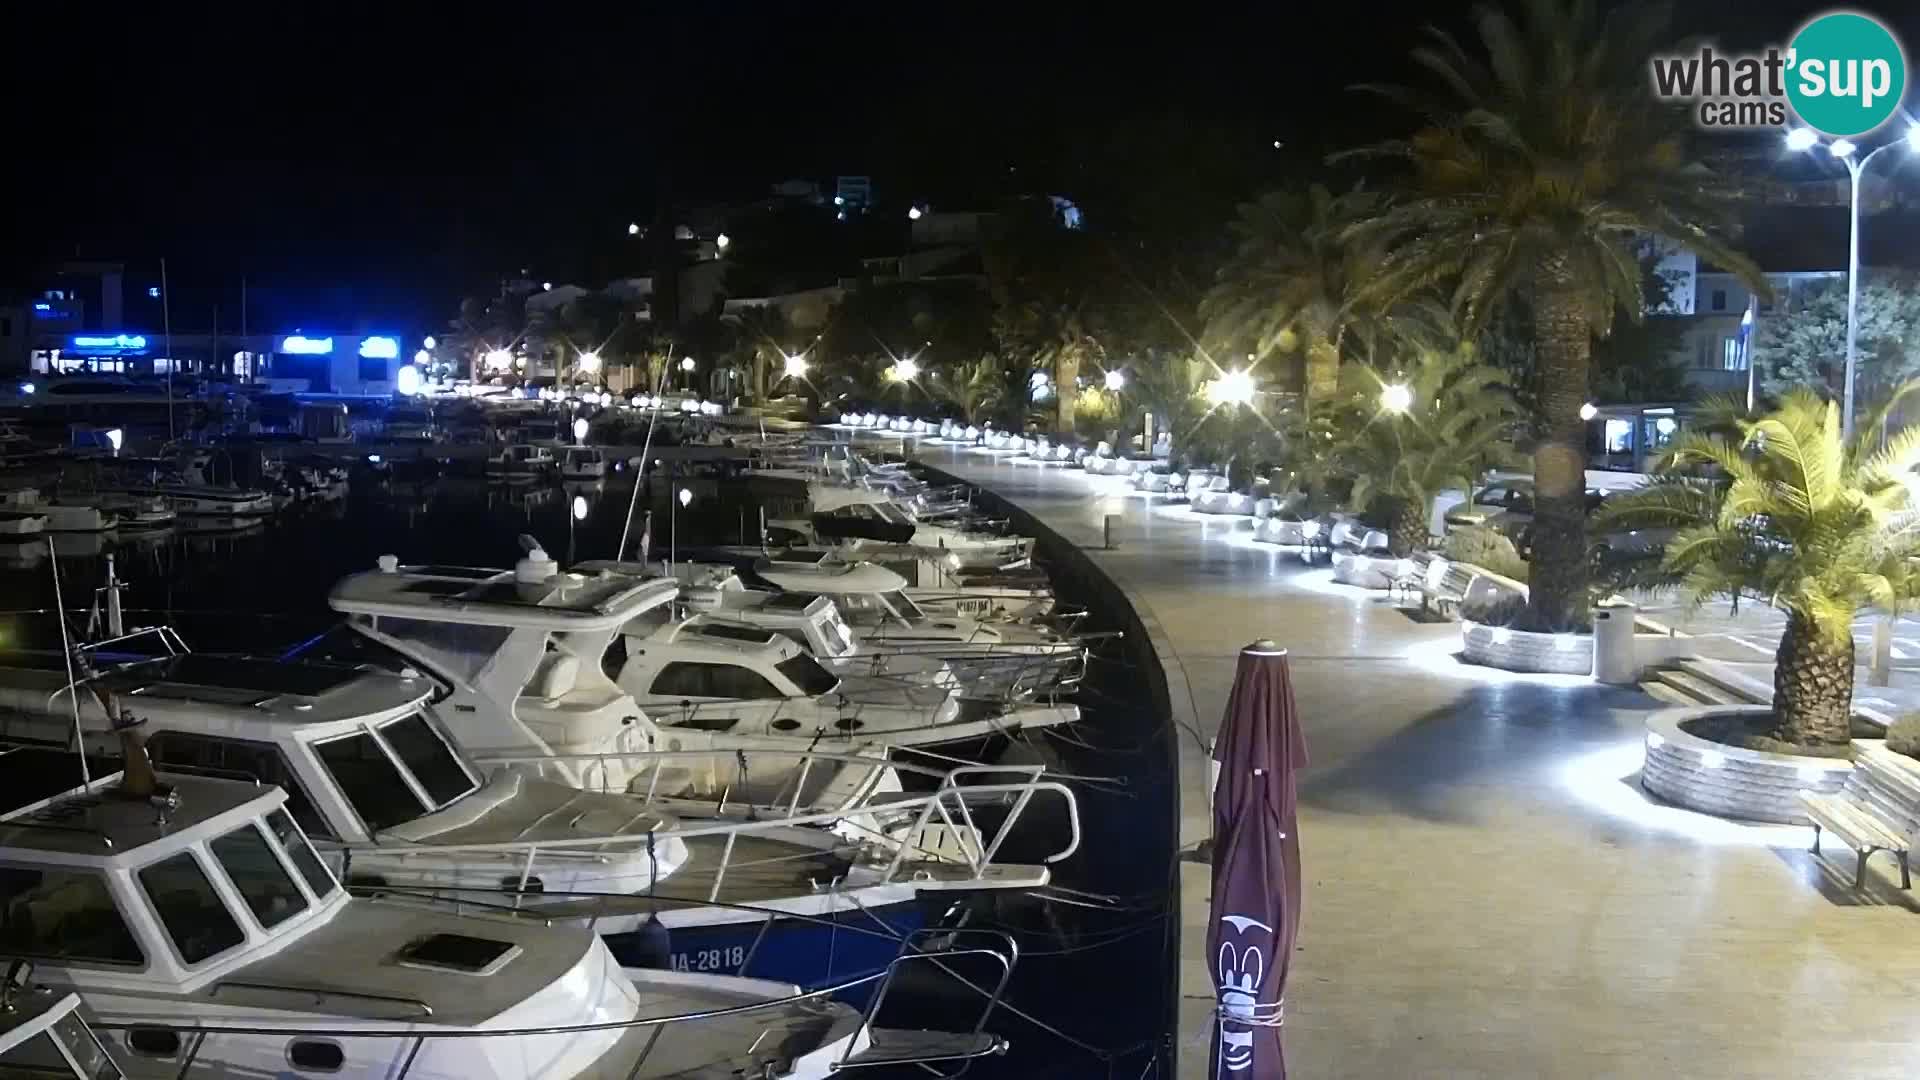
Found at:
(530, 659)
(864, 520)
(206, 938)
(62, 516)
(582, 463)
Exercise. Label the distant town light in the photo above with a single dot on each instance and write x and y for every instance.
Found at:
(1116, 380)
(722, 241)
(1842, 148)
(1801, 138)
(430, 343)
(796, 365)
(686, 496)
(589, 361)
(298, 345)
(546, 286)
(407, 380)
(380, 348)
(686, 363)
(913, 213)
(839, 200)
(1588, 412)
(1395, 397)
(633, 228)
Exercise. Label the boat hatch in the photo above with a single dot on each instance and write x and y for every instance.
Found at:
(460, 953)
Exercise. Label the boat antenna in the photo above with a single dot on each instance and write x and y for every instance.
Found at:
(646, 448)
(166, 320)
(66, 648)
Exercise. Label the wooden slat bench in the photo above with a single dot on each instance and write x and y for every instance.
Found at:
(1858, 827)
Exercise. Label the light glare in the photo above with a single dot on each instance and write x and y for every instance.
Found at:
(1116, 380)
(1801, 139)
(1395, 397)
(1233, 388)
(1842, 148)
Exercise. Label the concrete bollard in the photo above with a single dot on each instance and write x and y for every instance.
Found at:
(1107, 528)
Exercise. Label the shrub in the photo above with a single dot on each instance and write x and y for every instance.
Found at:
(1485, 548)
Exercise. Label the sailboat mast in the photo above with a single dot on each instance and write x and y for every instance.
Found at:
(166, 323)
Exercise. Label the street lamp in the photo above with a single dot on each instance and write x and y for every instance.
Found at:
(499, 359)
(633, 228)
(1803, 138)
(1116, 380)
(1396, 398)
(1588, 412)
(589, 361)
(1232, 388)
(430, 343)
(796, 365)
(905, 370)
(722, 241)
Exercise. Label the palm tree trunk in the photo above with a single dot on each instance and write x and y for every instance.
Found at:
(1323, 371)
(1407, 533)
(1066, 391)
(1813, 683)
(1558, 578)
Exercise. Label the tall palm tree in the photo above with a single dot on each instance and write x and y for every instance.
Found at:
(1409, 436)
(1289, 283)
(1536, 169)
(1804, 520)
(980, 390)
(766, 337)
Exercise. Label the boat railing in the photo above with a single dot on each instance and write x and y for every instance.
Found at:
(412, 1039)
(418, 1006)
(939, 827)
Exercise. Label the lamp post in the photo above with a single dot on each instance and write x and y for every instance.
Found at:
(1847, 151)
(680, 499)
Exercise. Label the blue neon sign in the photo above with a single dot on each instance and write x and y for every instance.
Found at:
(380, 348)
(42, 305)
(296, 345)
(117, 342)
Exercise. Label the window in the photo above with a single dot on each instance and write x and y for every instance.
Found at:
(426, 756)
(712, 680)
(1732, 357)
(369, 780)
(313, 1055)
(63, 915)
(373, 369)
(304, 860)
(903, 606)
(1719, 300)
(836, 633)
(807, 674)
(154, 1041)
(264, 762)
(199, 924)
(257, 874)
(457, 649)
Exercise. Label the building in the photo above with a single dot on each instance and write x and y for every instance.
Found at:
(94, 317)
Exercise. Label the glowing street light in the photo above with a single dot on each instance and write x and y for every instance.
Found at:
(423, 357)
(579, 508)
(722, 241)
(685, 496)
(1848, 152)
(407, 380)
(1588, 412)
(430, 343)
(1233, 388)
(796, 365)
(580, 429)
(589, 361)
(913, 213)
(546, 286)
(904, 370)
(633, 228)
(499, 359)
(1116, 380)
(1395, 397)
(686, 363)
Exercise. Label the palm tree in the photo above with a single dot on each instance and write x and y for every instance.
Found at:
(767, 337)
(1803, 520)
(980, 390)
(1538, 169)
(1410, 436)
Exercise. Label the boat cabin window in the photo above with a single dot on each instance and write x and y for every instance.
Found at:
(835, 632)
(264, 762)
(373, 780)
(312, 870)
(256, 872)
(891, 513)
(196, 919)
(65, 915)
(807, 674)
(458, 649)
(903, 607)
(681, 679)
(427, 756)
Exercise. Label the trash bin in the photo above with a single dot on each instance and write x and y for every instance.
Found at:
(1614, 660)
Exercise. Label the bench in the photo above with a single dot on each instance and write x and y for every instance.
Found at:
(1846, 817)
(1442, 583)
(1407, 583)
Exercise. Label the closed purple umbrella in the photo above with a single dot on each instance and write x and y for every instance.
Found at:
(1256, 865)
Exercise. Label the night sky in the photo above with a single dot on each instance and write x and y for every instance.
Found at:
(390, 160)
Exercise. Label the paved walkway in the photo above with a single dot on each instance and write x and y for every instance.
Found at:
(1488, 892)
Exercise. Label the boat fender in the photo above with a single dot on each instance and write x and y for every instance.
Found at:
(536, 568)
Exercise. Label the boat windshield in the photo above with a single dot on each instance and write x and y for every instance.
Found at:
(461, 650)
(903, 607)
(258, 875)
(371, 775)
(807, 674)
(196, 919)
(894, 513)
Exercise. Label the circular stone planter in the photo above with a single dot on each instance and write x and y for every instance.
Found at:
(1525, 651)
(1366, 571)
(1730, 781)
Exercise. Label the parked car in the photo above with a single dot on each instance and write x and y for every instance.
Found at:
(1491, 500)
(1516, 523)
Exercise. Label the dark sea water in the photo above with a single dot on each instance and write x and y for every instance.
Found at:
(1096, 969)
